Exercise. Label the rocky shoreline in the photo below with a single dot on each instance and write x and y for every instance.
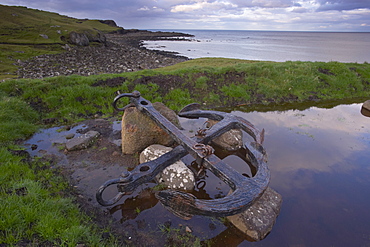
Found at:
(120, 53)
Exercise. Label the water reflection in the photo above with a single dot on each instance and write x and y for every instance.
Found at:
(319, 162)
(315, 139)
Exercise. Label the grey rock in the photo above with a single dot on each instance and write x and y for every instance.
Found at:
(80, 39)
(230, 141)
(83, 141)
(365, 109)
(139, 131)
(118, 142)
(176, 176)
(70, 136)
(99, 37)
(66, 47)
(257, 221)
(44, 36)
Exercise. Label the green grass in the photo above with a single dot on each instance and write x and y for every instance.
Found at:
(17, 119)
(33, 211)
(209, 63)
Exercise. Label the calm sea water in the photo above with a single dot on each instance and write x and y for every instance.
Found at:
(270, 45)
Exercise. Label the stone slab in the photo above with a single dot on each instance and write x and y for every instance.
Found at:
(83, 141)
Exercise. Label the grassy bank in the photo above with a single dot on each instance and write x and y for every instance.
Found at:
(34, 208)
(214, 83)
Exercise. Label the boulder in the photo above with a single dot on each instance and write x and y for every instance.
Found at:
(139, 131)
(257, 221)
(83, 141)
(365, 109)
(79, 39)
(232, 140)
(98, 37)
(176, 176)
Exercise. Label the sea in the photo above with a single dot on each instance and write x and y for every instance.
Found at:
(278, 46)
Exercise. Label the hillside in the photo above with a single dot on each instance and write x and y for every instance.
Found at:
(21, 25)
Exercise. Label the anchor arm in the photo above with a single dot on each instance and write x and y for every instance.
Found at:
(226, 122)
(143, 173)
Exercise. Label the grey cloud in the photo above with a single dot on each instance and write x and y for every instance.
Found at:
(263, 3)
(343, 5)
(299, 10)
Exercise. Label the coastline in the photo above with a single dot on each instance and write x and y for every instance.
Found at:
(277, 46)
(122, 52)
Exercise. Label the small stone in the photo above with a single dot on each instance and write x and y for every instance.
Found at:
(70, 136)
(188, 230)
(118, 142)
(44, 36)
(83, 141)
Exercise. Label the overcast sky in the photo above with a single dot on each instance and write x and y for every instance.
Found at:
(287, 15)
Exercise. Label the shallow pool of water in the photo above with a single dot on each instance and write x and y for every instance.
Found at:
(320, 163)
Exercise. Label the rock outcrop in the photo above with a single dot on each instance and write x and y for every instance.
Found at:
(84, 39)
(111, 23)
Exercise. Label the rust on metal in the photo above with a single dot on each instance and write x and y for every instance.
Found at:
(245, 190)
(206, 150)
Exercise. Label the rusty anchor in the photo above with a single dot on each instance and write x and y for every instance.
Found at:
(245, 190)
